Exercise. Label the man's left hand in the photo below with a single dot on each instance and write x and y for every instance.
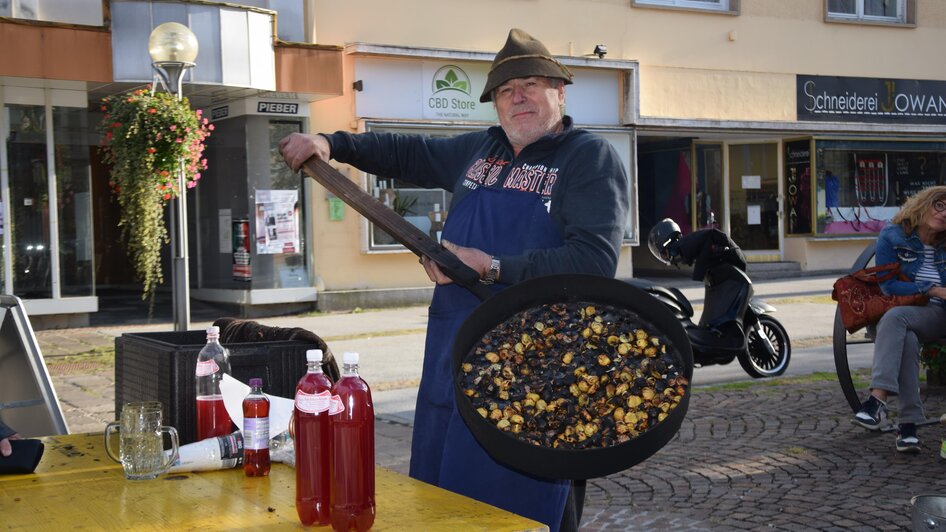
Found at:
(5, 448)
(476, 259)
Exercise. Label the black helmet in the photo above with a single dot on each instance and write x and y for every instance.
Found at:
(661, 238)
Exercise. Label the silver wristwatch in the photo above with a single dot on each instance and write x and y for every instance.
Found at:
(493, 274)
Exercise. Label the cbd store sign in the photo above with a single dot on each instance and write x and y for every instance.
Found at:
(452, 92)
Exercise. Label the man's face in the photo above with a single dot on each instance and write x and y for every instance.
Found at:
(529, 108)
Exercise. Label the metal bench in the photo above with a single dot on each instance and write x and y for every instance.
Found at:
(842, 340)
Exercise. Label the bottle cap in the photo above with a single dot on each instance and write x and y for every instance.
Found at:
(256, 381)
(213, 329)
(313, 355)
(350, 358)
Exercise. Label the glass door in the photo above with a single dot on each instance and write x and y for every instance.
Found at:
(28, 213)
(708, 192)
(754, 214)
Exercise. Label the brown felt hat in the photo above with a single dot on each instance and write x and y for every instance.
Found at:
(521, 57)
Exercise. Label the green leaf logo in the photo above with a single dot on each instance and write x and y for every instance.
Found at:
(451, 78)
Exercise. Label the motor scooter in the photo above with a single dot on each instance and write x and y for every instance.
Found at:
(733, 324)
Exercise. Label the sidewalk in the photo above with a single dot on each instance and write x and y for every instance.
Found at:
(780, 454)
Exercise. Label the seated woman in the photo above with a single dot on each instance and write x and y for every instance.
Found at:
(916, 239)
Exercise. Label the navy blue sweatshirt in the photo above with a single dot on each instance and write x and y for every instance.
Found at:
(578, 174)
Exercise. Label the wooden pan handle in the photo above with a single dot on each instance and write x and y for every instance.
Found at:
(395, 225)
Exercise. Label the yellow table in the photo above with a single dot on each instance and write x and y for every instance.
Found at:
(77, 486)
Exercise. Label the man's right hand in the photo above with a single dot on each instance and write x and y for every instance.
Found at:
(297, 148)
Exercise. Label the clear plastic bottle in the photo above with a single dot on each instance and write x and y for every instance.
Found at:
(256, 431)
(212, 362)
(312, 438)
(222, 452)
(353, 504)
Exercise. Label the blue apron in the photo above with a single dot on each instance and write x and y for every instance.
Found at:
(443, 451)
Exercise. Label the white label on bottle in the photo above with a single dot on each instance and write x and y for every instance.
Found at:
(312, 403)
(207, 367)
(337, 406)
(256, 433)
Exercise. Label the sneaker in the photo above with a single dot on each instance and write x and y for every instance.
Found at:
(907, 442)
(872, 415)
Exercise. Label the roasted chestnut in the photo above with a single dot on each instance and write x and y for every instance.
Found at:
(573, 375)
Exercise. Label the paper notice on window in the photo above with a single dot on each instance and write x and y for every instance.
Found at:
(277, 222)
(751, 182)
(754, 214)
(225, 236)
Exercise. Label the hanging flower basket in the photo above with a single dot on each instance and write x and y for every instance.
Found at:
(147, 138)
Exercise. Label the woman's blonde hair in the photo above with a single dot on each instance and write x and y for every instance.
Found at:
(916, 207)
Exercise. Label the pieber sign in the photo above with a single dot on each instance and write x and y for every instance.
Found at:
(839, 99)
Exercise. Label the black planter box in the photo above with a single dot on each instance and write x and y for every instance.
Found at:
(160, 367)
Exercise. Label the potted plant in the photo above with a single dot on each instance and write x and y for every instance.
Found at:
(148, 138)
(933, 358)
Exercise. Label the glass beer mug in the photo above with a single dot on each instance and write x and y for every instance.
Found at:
(141, 452)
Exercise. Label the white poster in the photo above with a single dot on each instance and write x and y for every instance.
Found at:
(754, 215)
(277, 221)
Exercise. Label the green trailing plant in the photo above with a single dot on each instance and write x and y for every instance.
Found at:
(147, 139)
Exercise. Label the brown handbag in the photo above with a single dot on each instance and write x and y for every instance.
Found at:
(861, 301)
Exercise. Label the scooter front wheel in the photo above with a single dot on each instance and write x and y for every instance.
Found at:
(769, 349)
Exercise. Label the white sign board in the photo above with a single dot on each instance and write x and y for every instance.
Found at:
(751, 182)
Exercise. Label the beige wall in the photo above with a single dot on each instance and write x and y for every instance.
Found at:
(693, 64)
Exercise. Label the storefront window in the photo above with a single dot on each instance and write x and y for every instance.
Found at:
(797, 187)
(279, 221)
(709, 185)
(753, 196)
(70, 127)
(416, 205)
(861, 184)
(29, 210)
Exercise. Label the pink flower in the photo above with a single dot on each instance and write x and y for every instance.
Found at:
(173, 127)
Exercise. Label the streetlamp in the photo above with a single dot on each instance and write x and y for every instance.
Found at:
(173, 49)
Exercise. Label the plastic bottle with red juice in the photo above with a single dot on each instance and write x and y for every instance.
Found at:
(353, 504)
(256, 461)
(212, 362)
(312, 438)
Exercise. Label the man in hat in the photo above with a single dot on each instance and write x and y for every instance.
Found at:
(533, 197)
